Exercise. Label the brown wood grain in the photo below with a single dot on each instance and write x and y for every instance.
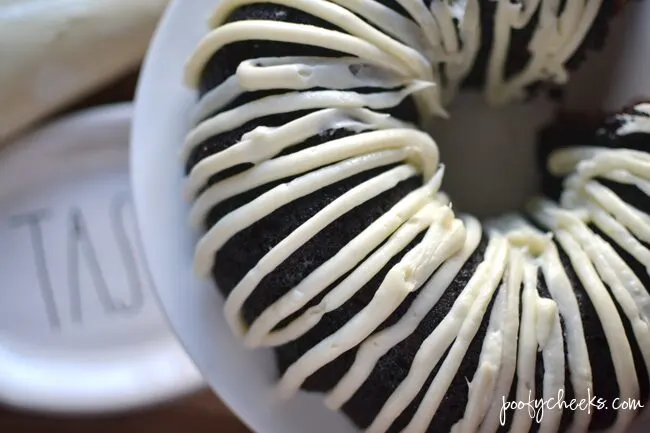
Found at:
(202, 413)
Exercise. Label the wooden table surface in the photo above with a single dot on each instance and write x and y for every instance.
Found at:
(201, 413)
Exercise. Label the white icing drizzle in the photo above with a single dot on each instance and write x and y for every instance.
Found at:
(483, 384)
(359, 277)
(270, 105)
(361, 40)
(264, 143)
(551, 343)
(560, 288)
(526, 356)
(509, 328)
(266, 203)
(440, 242)
(604, 274)
(425, 56)
(544, 312)
(380, 343)
(296, 73)
(460, 324)
(423, 152)
(556, 38)
(460, 64)
(346, 21)
(434, 395)
(562, 222)
(342, 262)
(636, 123)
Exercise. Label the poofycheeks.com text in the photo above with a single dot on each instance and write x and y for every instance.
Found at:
(537, 406)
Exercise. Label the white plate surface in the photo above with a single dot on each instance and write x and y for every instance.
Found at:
(244, 379)
(80, 329)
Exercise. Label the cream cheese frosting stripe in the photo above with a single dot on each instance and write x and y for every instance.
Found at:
(481, 388)
(264, 143)
(287, 32)
(371, 45)
(263, 325)
(466, 309)
(335, 267)
(620, 351)
(436, 26)
(376, 346)
(422, 152)
(484, 381)
(638, 122)
(390, 22)
(460, 65)
(362, 274)
(304, 72)
(551, 342)
(296, 73)
(545, 314)
(437, 389)
(590, 201)
(527, 349)
(556, 38)
(439, 243)
(270, 105)
(508, 362)
(346, 21)
(560, 288)
(282, 194)
(417, 146)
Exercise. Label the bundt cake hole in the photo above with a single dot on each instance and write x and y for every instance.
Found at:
(490, 154)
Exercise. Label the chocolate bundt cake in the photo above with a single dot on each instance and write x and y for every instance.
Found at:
(328, 234)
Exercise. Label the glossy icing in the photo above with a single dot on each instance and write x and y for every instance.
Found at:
(403, 58)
